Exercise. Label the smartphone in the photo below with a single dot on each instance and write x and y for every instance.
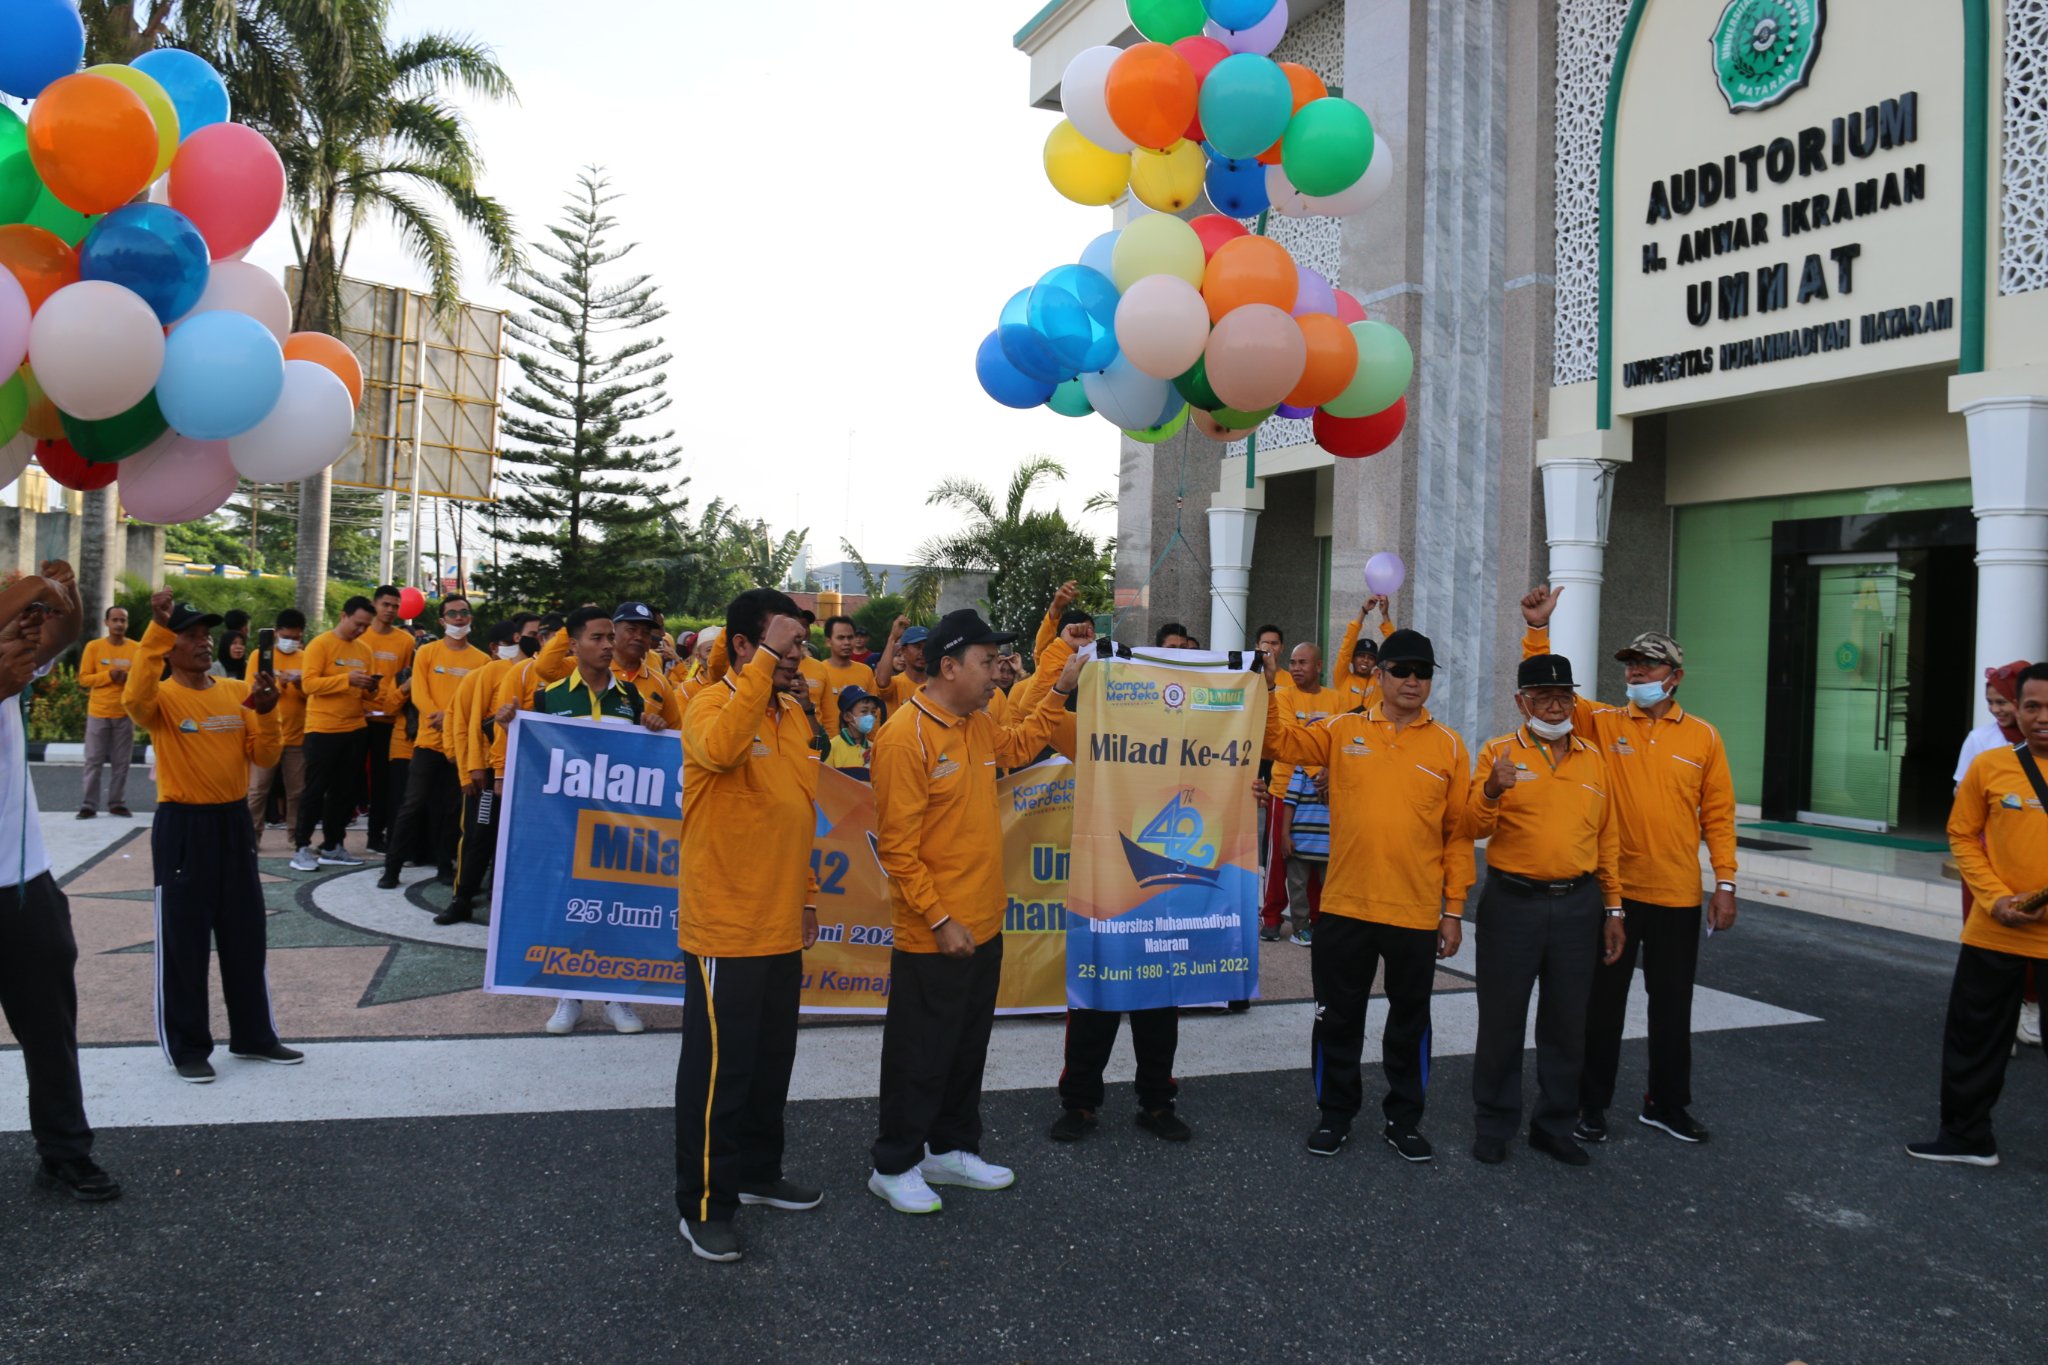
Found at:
(266, 650)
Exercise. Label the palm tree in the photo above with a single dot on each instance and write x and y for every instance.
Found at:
(761, 559)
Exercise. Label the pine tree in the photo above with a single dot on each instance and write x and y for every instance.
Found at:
(580, 472)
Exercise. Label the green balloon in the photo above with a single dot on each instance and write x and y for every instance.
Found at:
(1327, 147)
(19, 184)
(1167, 21)
(117, 437)
(1152, 436)
(13, 406)
(53, 216)
(1194, 387)
(1385, 365)
(1237, 419)
(1069, 400)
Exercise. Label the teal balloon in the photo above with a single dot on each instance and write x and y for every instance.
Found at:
(1327, 147)
(1245, 106)
(1167, 21)
(1068, 400)
(117, 437)
(1385, 365)
(1194, 387)
(19, 184)
(13, 406)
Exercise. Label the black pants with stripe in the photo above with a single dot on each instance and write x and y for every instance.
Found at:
(334, 775)
(40, 999)
(1526, 936)
(732, 1080)
(1091, 1034)
(1976, 1041)
(1668, 939)
(1343, 959)
(207, 896)
(431, 814)
(934, 1048)
(477, 849)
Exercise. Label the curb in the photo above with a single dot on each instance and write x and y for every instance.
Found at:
(72, 753)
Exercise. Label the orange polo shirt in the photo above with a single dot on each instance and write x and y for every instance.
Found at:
(517, 686)
(332, 706)
(291, 698)
(437, 671)
(1307, 708)
(204, 737)
(836, 679)
(1671, 790)
(939, 830)
(1996, 805)
(1359, 694)
(1399, 853)
(1557, 821)
(96, 675)
(390, 652)
(750, 782)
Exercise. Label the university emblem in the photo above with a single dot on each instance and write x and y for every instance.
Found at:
(1765, 49)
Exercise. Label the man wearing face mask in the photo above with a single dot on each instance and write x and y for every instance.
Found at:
(291, 723)
(1551, 911)
(340, 680)
(1671, 790)
(479, 741)
(433, 798)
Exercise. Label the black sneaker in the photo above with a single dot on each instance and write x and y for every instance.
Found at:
(1269, 935)
(198, 1073)
(1676, 1122)
(1489, 1151)
(453, 916)
(715, 1241)
(1591, 1127)
(78, 1177)
(276, 1052)
(1072, 1125)
(1164, 1123)
(1325, 1141)
(1240, 1006)
(783, 1193)
(87, 813)
(1945, 1148)
(388, 882)
(121, 812)
(1560, 1149)
(1412, 1145)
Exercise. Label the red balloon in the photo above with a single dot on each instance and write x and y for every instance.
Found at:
(1201, 53)
(72, 469)
(411, 602)
(1349, 309)
(1214, 230)
(1354, 438)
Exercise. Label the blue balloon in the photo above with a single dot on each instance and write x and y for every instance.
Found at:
(1246, 104)
(1000, 379)
(151, 249)
(45, 39)
(1096, 256)
(197, 92)
(223, 373)
(1074, 309)
(1025, 348)
(1174, 403)
(1237, 188)
(1237, 15)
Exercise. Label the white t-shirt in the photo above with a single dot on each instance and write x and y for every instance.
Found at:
(1985, 736)
(22, 858)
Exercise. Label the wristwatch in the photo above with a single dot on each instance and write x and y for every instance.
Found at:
(1724, 886)
(1616, 912)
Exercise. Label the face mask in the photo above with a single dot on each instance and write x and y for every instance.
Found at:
(864, 724)
(287, 646)
(1544, 729)
(1646, 694)
(455, 632)
(529, 644)
(508, 652)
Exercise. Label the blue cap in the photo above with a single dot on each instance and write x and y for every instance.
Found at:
(916, 635)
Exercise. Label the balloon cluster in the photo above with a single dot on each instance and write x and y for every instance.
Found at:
(135, 343)
(1167, 320)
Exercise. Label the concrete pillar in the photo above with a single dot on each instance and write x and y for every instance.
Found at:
(314, 494)
(2009, 494)
(1233, 519)
(1577, 494)
(99, 557)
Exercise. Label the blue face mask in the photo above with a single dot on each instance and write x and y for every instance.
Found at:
(1646, 694)
(863, 724)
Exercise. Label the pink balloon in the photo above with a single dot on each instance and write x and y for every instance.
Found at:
(1255, 356)
(14, 321)
(1260, 39)
(228, 180)
(176, 479)
(1314, 294)
(1349, 309)
(1162, 325)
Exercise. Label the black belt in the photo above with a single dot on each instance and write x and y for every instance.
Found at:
(1540, 888)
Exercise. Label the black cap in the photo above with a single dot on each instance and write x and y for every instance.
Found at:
(1544, 670)
(1366, 645)
(184, 616)
(1407, 647)
(634, 611)
(959, 629)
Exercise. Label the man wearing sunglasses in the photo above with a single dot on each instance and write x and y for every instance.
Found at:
(1400, 867)
(1671, 790)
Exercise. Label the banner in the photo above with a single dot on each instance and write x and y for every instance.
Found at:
(1165, 848)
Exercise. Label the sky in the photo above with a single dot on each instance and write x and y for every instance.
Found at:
(835, 204)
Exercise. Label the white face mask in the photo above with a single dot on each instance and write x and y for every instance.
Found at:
(508, 652)
(1544, 729)
(287, 646)
(455, 632)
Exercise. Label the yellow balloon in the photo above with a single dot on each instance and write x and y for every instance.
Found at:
(1170, 180)
(155, 99)
(1157, 244)
(1082, 171)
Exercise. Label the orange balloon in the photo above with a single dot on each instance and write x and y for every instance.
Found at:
(1249, 270)
(332, 352)
(1307, 85)
(42, 421)
(93, 142)
(39, 259)
(1332, 359)
(1152, 95)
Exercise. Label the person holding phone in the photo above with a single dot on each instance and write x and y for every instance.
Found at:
(284, 664)
(109, 734)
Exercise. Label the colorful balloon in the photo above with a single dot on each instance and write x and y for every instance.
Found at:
(229, 181)
(1238, 14)
(71, 469)
(151, 250)
(411, 602)
(92, 141)
(43, 421)
(1003, 381)
(1249, 270)
(1074, 309)
(154, 98)
(66, 224)
(197, 92)
(45, 42)
(1354, 438)
(1293, 412)
(1364, 192)
(1193, 385)
(1255, 356)
(1313, 294)
(1214, 230)
(1070, 399)
(14, 323)
(1098, 253)
(1082, 171)
(38, 260)
(1167, 21)
(1245, 105)
(1024, 348)
(1287, 201)
(1207, 424)
(1152, 95)
(177, 479)
(97, 349)
(222, 374)
(1171, 180)
(117, 437)
(1127, 396)
(1332, 359)
(1384, 572)
(1162, 325)
(307, 430)
(238, 287)
(13, 412)
(1385, 365)
(332, 352)
(1157, 244)
(1238, 419)
(1084, 97)
(1305, 84)
(1201, 55)
(1238, 188)
(1327, 147)
(1349, 309)
(19, 184)
(1166, 430)
(1259, 39)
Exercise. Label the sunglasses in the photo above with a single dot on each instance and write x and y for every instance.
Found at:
(1422, 671)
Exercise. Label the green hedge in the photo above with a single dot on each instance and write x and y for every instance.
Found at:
(262, 598)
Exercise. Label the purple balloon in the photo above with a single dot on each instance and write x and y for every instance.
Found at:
(1292, 413)
(1260, 39)
(1314, 294)
(1385, 573)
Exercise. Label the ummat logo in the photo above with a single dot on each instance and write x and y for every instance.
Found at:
(1182, 856)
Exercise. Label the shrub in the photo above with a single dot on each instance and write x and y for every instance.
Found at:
(57, 707)
(262, 598)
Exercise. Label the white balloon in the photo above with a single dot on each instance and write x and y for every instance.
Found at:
(176, 479)
(238, 287)
(1363, 192)
(1287, 201)
(96, 349)
(1162, 324)
(15, 317)
(307, 431)
(1126, 395)
(1098, 253)
(1084, 101)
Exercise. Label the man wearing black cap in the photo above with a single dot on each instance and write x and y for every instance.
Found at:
(1546, 803)
(635, 633)
(1400, 866)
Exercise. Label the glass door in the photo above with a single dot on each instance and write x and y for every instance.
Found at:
(1860, 690)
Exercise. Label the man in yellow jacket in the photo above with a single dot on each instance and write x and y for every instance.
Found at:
(339, 680)
(431, 809)
(1672, 790)
(109, 734)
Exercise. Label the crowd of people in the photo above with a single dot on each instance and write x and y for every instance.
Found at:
(1593, 817)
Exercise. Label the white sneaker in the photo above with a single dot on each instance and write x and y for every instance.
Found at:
(305, 860)
(622, 1017)
(906, 1193)
(965, 1168)
(2030, 1023)
(339, 857)
(565, 1017)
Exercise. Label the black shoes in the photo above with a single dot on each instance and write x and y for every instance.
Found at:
(276, 1052)
(782, 1193)
(1592, 1126)
(714, 1241)
(197, 1073)
(87, 813)
(1559, 1149)
(1676, 1122)
(121, 812)
(1164, 1123)
(78, 1177)
(1489, 1151)
(453, 915)
(1945, 1148)
(1072, 1125)
(1325, 1141)
(388, 881)
(1412, 1145)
